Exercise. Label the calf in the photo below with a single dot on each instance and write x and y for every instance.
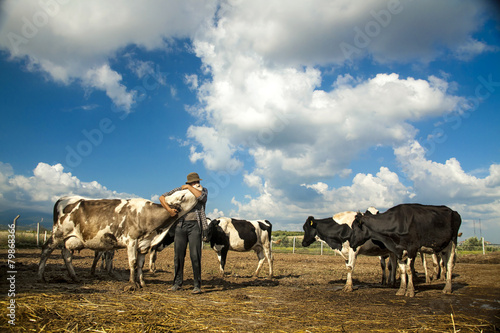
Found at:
(241, 236)
(326, 230)
(165, 241)
(107, 224)
(406, 228)
(107, 261)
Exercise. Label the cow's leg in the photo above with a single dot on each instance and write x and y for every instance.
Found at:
(47, 249)
(132, 262)
(449, 260)
(350, 268)
(261, 256)
(382, 267)
(152, 260)
(402, 272)
(97, 256)
(68, 258)
(109, 255)
(424, 263)
(269, 256)
(222, 259)
(442, 266)
(436, 268)
(392, 269)
(141, 258)
(410, 290)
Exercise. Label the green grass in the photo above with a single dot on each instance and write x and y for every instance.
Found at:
(24, 239)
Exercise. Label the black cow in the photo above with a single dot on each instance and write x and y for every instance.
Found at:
(241, 235)
(406, 228)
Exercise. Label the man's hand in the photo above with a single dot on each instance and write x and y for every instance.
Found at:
(172, 211)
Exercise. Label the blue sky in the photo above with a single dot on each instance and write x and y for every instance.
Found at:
(288, 111)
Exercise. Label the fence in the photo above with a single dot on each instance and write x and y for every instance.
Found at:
(293, 244)
(25, 238)
(289, 244)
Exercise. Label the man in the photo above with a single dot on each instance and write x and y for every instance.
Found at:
(189, 229)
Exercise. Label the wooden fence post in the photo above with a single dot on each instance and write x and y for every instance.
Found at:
(15, 220)
(37, 234)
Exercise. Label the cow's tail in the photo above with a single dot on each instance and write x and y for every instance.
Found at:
(56, 231)
(56, 214)
(456, 221)
(269, 230)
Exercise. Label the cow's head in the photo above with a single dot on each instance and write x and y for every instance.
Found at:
(309, 231)
(215, 234)
(182, 200)
(207, 237)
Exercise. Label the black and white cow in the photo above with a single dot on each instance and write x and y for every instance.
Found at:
(153, 251)
(324, 229)
(107, 261)
(107, 224)
(404, 230)
(241, 236)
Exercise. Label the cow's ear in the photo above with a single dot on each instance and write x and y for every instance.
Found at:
(311, 221)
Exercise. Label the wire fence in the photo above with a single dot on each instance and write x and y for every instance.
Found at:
(287, 244)
(293, 244)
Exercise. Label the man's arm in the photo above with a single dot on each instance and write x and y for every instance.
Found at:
(171, 211)
(196, 192)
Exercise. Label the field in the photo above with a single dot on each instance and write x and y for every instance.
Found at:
(304, 296)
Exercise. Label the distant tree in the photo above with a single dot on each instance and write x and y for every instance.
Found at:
(473, 241)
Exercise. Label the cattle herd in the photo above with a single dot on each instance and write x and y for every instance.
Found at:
(142, 226)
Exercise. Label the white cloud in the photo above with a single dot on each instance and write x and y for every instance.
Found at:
(266, 95)
(45, 187)
(383, 190)
(73, 41)
(217, 150)
(448, 182)
(312, 32)
(476, 199)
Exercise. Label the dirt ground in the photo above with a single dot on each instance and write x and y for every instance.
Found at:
(304, 296)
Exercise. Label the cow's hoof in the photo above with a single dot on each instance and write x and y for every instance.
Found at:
(132, 287)
(347, 289)
(401, 292)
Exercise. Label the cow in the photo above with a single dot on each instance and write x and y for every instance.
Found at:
(241, 236)
(107, 261)
(153, 251)
(436, 265)
(108, 224)
(324, 229)
(404, 230)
